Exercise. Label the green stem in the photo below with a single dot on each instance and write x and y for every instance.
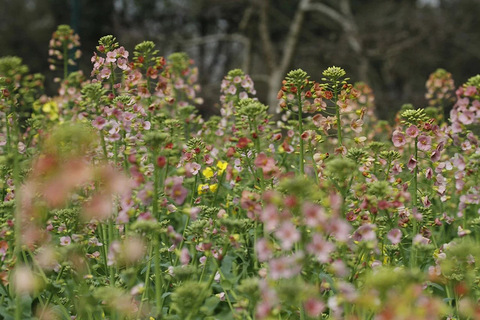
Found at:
(339, 121)
(413, 250)
(158, 278)
(147, 281)
(65, 60)
(300, 129)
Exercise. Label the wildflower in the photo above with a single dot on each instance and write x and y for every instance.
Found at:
(314, 215)
(412, 131)
(395, 236)
(208, 173)
(202, 188)
(424, 142)
(221, 165)
(288, 235)
(285, 267)
(184, 256)
(266, 164)
(179, 193)
(264, 251)
(320, 248)
(412, 163)
(314, 307)
(65, 241)
(398, 139)
(213, 187)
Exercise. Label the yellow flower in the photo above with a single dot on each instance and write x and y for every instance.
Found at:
(222, 165)
(213, 187)
(208, 173)
(201, 188)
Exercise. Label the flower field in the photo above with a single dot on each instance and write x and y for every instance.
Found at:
(120, 201)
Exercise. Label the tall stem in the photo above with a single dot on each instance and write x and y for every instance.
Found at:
(300, 129)
(339, 121)
(413, 251)
(65, 60)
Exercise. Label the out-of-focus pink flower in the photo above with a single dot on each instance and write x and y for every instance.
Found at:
(267, 165)
(320, 248)
(395, 236)
(285, 267)
(314, 307)
(264, 251)
(179, 194)
(314, 214)
(184, 256)
(288, 235)
(65, 241)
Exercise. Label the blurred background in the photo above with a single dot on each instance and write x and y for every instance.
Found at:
(392, 45)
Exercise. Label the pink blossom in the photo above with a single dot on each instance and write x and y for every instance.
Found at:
(412, 163)
(184, 256)
(65, 241)
(424, 142)
(356, 125)
(111, 57)
(314, 214)
(267, 165)
(264, 251)
(99, 122)
(365, 232)
(395, 236)
(179, 193)
(285, 267)
(412, 131)
(270, 217)
(466, 117)
(470, 91)
(398, 139)
(320, 248)
(105, 73)
(288, 235)
(420, 240)
(314, 307)
(340, 229)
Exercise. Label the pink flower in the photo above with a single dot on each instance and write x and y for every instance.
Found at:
(365, 232)
(288, 235)
(65, 241)
(111, 57)
(270, 217)
(395, 236)
(179, 193)
(424, 142)
(356, 125)
(412, 131)
(340, 229)
(398, 139)
(314, 214)
(466, 117)
(184, 256)
(264, 252)
(99, 123)
(420, 240)
(412, 163)
(320, 248)
(285, 267)
(266, 164)
(314, 307)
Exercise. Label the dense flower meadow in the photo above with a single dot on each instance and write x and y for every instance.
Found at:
(121, 202)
